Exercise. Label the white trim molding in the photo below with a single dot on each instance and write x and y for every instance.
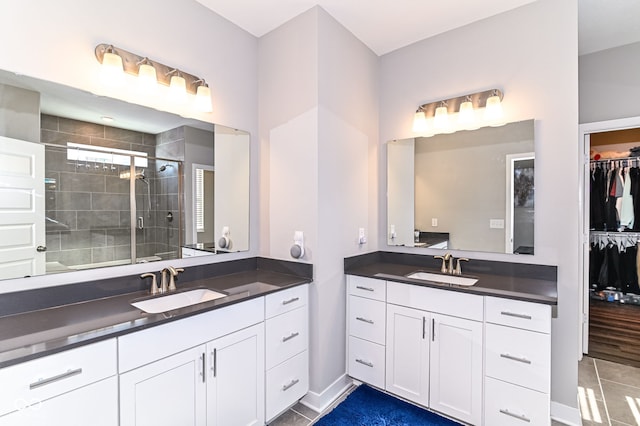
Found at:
(321, 401)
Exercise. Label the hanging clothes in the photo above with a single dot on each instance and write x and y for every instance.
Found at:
(626, 201)
(614, 260)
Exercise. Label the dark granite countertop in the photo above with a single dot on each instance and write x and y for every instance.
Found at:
(29, 335)
(531, 283)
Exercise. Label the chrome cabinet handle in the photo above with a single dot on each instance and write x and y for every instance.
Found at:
(202, 371)
(368, 321)
(368, 364)
(517, 416)
(513, 314)
(48, 381)
(289, 337)
(290, 385)
(359, 287)
(214, 362)
(515, 358)
(433, 329)
(424, 327)
(286, 302)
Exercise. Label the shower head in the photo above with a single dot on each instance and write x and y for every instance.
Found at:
(164, 167)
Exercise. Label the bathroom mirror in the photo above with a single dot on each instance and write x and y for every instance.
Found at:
(469, 190)
(115, 193)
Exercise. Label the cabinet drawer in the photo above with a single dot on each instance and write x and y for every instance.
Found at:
(367, 319)
(366, 361)
(286, 300)
(287, 383)
(510, 405)
(447, 302)
(518, 356)
(370, 288)
(286, 335)
(516, 313)
(53, 375)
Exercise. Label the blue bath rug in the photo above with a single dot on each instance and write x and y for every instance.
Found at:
(366, 406)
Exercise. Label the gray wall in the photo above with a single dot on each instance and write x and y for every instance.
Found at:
(531, 53)
(610, 84)
(318, 132)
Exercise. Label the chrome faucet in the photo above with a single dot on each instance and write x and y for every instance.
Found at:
(171, 284)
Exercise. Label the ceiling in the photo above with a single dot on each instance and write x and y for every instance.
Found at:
(387, 25)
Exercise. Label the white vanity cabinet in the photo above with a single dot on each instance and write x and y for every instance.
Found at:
(434, 349)
(366, 319)
(235, 385)
(75, 387)
(286, 348)
(518, 362)
(204, 369)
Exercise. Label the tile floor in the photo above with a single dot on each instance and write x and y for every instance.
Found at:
(609, 393)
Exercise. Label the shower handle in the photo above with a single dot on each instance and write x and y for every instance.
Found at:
(41, 249)
(140, 222)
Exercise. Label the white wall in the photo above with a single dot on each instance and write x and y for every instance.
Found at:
(318, 127)
(531, 54)
(400, 192)
(56, 40)
(610, 84)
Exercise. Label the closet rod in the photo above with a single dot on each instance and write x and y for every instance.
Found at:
(618, 234)
(610, 160)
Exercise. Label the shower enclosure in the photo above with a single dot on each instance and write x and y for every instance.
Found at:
(107, 206)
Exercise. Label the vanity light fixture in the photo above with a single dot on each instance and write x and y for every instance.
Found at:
(115, 62)
(436, 117)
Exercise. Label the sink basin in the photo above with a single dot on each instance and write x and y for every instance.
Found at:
(445, 279)
(177, 300)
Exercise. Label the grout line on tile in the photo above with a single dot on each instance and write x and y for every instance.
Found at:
(604, 400)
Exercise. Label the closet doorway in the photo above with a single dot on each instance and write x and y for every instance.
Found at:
(610, 260)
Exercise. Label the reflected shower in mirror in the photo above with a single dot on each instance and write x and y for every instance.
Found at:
(469, 190)
(111, 193)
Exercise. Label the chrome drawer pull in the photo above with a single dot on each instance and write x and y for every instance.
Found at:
(515, 358)
(513, 314)
(359, 287)
(286, 302)
(44, 382)
(289, 337)
(368, 364)
(519, 417)
(290, 385)
(368, 321)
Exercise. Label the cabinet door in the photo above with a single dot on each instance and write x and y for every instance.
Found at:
(169, 392)
(95, 404)
(408, 334)
(235, 389)
(456, 367)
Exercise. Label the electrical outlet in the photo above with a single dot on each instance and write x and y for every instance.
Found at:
(361, 236)
(434, 222)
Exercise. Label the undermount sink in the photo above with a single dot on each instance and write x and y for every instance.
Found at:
(445, 279)
(177, 300)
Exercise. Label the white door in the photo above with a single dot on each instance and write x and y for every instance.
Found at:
(22, 230)
(235, 389)
(456, 368)
(168, 392)
(408, 335)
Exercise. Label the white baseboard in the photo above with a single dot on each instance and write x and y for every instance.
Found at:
(565, 414)
(321, 401)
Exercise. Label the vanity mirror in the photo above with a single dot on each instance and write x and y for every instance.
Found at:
(469, 190)
(117, 193)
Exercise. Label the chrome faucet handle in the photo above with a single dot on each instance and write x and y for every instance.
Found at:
(458, 270)
(443, 268)
(154, 282)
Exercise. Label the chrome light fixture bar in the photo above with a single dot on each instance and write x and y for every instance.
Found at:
(114, 60)
(464, 106)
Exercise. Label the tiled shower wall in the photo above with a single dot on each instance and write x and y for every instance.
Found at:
(88, 208)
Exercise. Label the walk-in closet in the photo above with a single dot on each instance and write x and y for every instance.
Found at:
(612, 242)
